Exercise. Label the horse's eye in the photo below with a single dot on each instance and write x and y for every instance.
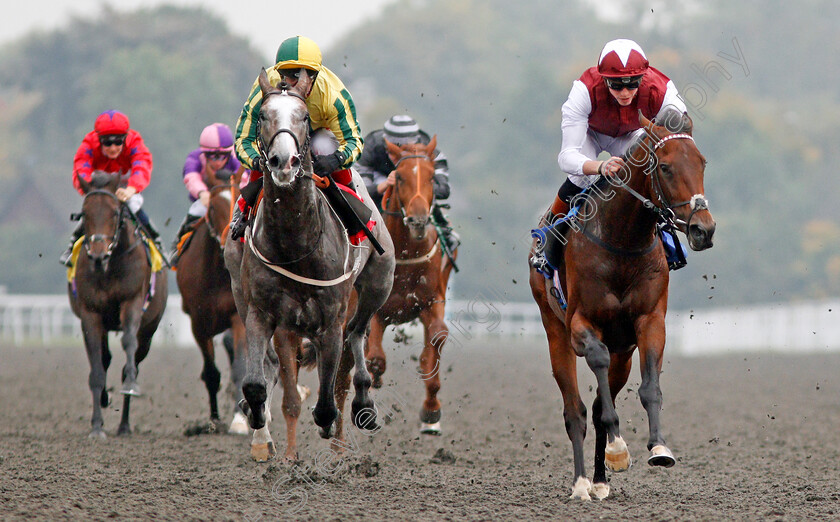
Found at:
(666, 169)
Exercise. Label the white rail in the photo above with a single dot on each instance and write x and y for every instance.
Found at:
(789, 327)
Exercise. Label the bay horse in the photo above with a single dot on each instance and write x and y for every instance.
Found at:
(297, 269)
(114, 290)
(421, 275)
(615, 276)
(206, 296)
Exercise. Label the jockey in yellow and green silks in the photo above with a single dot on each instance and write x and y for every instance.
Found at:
(330, 107)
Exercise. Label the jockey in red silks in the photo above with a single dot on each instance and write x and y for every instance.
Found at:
(214, 154)
(113, 147)
(602, 114)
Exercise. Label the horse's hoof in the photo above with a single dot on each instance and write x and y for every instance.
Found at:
(263, 452)
(600, 490)
(97, 435)
(303, 391)
(430, 429)
(239, 424)
(581, 489)
(104, 399)
(365, 419)
(327, 433)
(291, 455)
(124, 429)
(376, 383)
(429, 416)
(661, 456)
(376, 368)
(617, 457)
(132, 389)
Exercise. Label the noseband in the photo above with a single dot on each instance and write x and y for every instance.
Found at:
(301, 151)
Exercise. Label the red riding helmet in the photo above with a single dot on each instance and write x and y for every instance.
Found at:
(111, 122)
(622, 58)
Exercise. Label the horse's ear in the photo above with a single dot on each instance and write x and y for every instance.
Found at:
(305, 80)
(394, 150)
(430, 148)
(688, 125)
(644, 122)
(265, 85)
(113, 182)
(84, 184)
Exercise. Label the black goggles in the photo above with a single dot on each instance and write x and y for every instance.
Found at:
(290, 73)
(629, 82)
(217, 155)
(112, 139)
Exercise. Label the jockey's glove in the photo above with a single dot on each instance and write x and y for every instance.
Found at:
(238, 224)
(259, 164)
(327, 164)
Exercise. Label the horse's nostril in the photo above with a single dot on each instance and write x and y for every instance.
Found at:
(273, 162)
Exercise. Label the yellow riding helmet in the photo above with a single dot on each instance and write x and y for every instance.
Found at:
(298, 51)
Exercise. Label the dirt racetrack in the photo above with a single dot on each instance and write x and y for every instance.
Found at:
(755, 436)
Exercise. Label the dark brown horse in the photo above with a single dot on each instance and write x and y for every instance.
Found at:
(114, 290)
(616, 278)
(297, 271)
(206, 296)
(421, 275)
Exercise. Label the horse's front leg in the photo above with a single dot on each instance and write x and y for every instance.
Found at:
(94, 334)
(435, 336)
(262, 445)
(329, 351)
(586, 340)
(131, 314)
(259, 329)
(650, 330)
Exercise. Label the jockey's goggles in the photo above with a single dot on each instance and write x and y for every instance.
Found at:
(628, 82)
(112, 139)
(290, 73)
(217, 155)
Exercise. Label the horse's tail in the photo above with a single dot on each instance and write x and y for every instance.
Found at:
(308, 356)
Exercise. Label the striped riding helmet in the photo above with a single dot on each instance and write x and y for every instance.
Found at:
(622, 58)
(298, 51)
(216, 138)
(402, 129)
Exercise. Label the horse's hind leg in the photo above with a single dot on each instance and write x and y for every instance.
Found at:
(144, 342)
(104, 399)
(651, 332)
(94, 334)
(435, 335)
(342, 387)
(210, 373)
(286, 346)
(375, 355)
(239, 423)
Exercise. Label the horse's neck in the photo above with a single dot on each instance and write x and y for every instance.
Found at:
(623, 220)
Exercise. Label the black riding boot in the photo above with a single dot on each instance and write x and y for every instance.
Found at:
(186, 224)
(64, 259)
(451, 238)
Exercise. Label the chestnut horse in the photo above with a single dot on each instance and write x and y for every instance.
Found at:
(616, 278)
(114, 290)
(421, 275)
(298, 268)
(206, 296)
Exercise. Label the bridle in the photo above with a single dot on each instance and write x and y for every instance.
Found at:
(396, 191)
(112, 240)
(208, 216)
(665, 210)
(302, 151)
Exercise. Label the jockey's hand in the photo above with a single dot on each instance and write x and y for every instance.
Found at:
(259, 165)
(611, 167)
(328, 163)
(123, 194)
(204, 197)
(390, 182)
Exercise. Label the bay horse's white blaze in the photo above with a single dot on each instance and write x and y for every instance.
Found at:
(581, 489)
(239, 424)
(617, 457)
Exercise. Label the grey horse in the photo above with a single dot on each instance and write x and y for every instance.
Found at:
(296, 271)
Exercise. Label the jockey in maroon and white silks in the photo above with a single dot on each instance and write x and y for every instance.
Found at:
(594, 120)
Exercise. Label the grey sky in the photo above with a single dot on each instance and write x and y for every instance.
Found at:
(322, 20)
